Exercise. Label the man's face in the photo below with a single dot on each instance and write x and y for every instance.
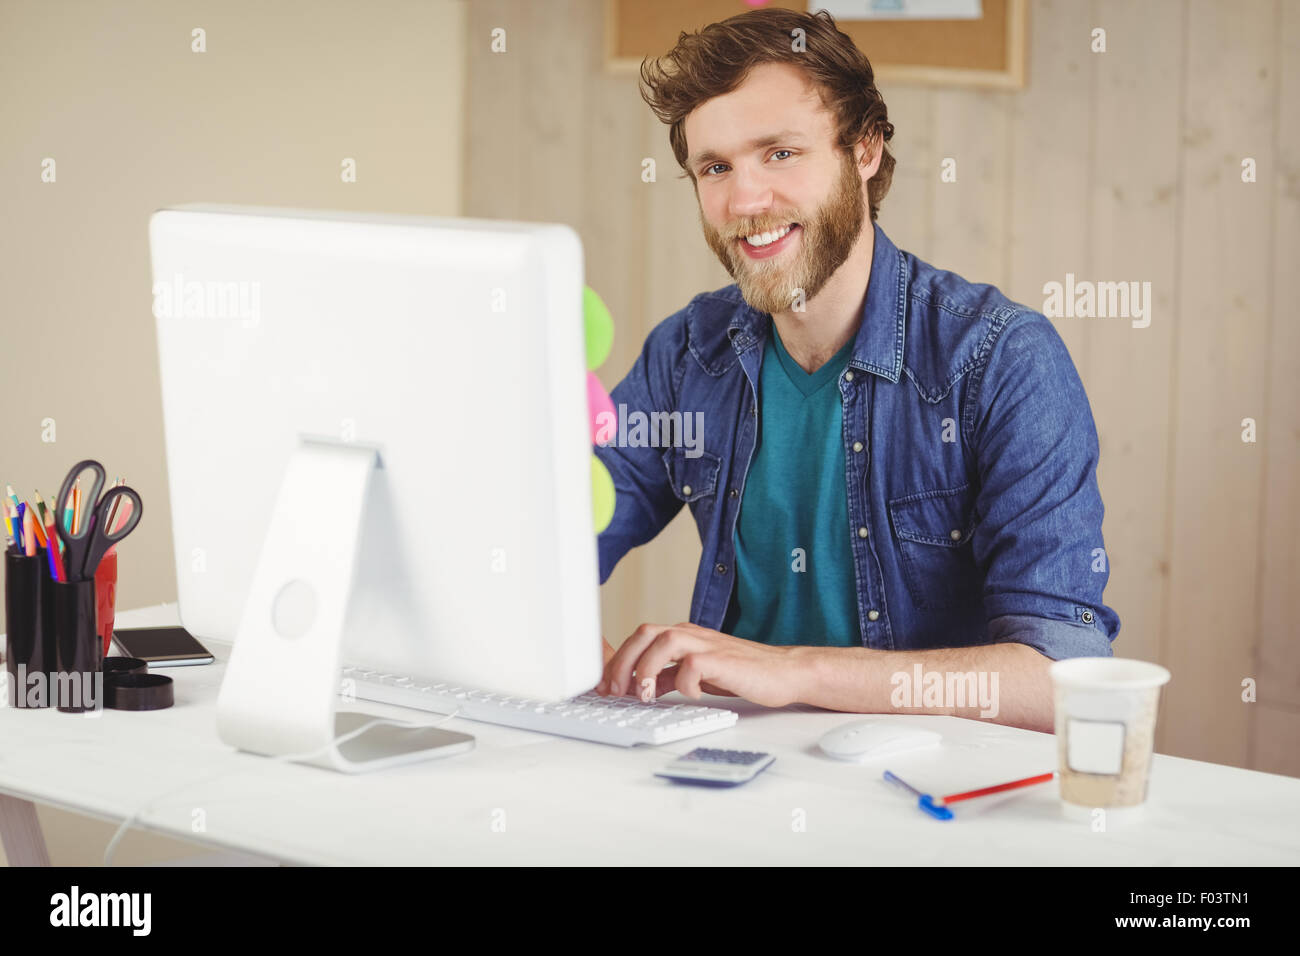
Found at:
(766, 165)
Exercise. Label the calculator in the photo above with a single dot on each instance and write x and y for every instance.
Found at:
(718, 768)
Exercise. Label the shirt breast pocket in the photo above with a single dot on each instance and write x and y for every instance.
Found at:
(692, 478)
(932, 530)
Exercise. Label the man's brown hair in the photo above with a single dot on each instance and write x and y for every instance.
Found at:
(715, 60)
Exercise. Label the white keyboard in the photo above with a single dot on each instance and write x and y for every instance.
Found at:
(624, 721)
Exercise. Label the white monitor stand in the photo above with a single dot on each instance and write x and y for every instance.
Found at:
(281, 688)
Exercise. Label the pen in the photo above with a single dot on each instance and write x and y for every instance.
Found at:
(1013, 785)
(924, 800)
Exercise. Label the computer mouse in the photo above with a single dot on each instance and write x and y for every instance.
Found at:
(868, 739)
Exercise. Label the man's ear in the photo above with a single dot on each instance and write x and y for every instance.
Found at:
(867, 153)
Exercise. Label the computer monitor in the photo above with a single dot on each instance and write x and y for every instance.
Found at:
(376, 433)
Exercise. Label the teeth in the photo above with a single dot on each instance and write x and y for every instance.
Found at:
(767, 238)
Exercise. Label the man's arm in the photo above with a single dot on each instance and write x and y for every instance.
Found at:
(644, 501)
(1001, 683)
(1038, 540)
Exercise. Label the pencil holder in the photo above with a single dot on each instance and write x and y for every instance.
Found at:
(30, 651)
(78, 682)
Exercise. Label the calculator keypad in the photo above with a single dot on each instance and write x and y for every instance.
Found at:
(739, 757)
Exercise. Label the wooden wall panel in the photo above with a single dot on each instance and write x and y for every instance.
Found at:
(1049, 164)
(1221, 360)
(970, 221)
(1277, 729)
(494, 115)
(1134, 209)
(907, 212)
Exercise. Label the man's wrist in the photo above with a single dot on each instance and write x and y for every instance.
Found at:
(810, 671)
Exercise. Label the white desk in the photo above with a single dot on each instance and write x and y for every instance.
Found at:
(568, 802)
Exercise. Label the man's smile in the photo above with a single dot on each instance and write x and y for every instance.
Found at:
(764, 245)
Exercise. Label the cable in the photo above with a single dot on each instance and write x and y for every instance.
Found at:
(279, 758)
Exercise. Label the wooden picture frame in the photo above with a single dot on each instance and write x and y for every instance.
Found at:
(988, 53)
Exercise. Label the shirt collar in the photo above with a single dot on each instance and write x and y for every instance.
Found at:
(878, 346)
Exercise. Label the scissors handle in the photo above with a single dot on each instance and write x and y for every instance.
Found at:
(75, 544)
(103, 537)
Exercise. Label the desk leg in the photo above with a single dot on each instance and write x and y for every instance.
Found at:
(20, 831)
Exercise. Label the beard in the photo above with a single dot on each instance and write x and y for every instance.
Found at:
(826, 239)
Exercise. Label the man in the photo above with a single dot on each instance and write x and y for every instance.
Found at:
(898, 470)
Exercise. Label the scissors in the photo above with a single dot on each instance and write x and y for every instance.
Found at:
(82, 551)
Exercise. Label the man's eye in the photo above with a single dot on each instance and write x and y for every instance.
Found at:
(708, 170)
(790, 152)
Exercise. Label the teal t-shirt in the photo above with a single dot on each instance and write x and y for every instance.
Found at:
(794, 560)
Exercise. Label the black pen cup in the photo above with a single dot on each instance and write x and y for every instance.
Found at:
(29, 630)
(78, 682)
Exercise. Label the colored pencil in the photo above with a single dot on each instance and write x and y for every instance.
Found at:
(50, 552)
(67, 516)
(997, 788)
(40, 506)
(76, 506)
(56, 557)
(113, 523)
(9, 525)
(9, 490)
(38, 529)
(29, 536)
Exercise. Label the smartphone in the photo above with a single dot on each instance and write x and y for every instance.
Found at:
(162, 646)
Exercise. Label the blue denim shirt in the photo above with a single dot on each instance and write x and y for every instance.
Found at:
(970, 455)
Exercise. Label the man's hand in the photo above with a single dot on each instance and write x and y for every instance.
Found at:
(708, 662)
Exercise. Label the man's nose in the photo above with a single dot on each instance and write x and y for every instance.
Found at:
(751, 196)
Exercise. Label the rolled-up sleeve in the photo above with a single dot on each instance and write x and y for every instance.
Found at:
(1039, 538)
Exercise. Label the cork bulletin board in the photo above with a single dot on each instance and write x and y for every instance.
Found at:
(988, 52)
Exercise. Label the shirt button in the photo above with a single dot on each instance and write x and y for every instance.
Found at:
(848, 376)
(720, 568)
(862, 532)
(753, 411)
(954, 534)
(873, 615)
(733, 493)
(686, 489)
(857, 446)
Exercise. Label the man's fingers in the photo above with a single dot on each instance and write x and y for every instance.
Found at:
(691, 670)
(618, 670)
(668, 647)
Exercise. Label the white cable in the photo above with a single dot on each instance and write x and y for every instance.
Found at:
(280, 758)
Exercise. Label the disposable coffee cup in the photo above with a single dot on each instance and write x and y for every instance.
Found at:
(1106, 710)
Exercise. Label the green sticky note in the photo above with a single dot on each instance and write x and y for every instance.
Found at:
(598, 326)
(602, 495)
